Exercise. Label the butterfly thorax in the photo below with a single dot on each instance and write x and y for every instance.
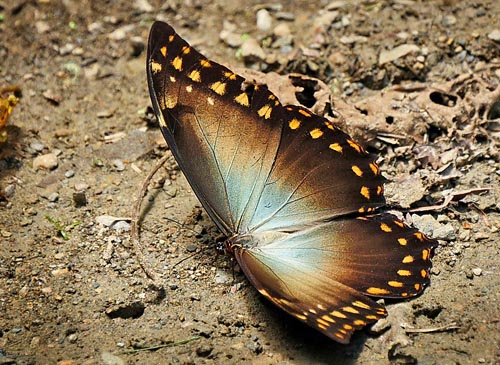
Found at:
(251, 241)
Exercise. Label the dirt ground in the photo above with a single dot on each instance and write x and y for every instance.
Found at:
(81, 140)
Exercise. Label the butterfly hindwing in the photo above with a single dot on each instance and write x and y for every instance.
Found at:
(328, 269)
(309, 295)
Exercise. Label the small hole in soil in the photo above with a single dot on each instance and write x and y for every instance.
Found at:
(481, 139)
(443, 99)
(132, 310)
(389, 119)
(434, 132)
(306, 96)
(494, 112)
(431, 313)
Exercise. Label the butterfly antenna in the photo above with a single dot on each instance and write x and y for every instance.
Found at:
(134, 232)
(186, 258)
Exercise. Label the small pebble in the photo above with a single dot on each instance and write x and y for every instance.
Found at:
(198, 229)
(143, 6)
(445, 232)
(119, 165)
(282, 15)
(494, 35)
(449, 20)
(171, 191)
(403, 35)
(264, 20)
(251, 51)
(59, 272)
(121, 226)
(387, 56)
(51, 197)
(81, 186)
(222, 277)
(109, 359)
(204, 350)
(9, 190)
(37, 146)
(66, 49)
(26, 222)
(42, 26)
(477, 271)
(46, 162)
(281, 30)
(191, 247)
(69, 174)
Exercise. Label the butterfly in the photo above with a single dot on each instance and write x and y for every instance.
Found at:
(296, 197)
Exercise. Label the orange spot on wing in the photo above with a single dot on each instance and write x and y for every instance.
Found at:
(336, 147)
(163, 51)
(304, 113)
(316, 133)
(195, 75)
(354, 145)
(404, 272)
(377, 291)
(395, 284)
(365, 192)
(374, 168)
(384, 227)
(294, 124)
(357, 170)
(408, 259)
(205, 63)
(265, 111)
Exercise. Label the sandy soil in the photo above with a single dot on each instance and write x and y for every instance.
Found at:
(71, 289)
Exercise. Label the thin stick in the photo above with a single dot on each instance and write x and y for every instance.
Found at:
(446, 327)
(134, 233)
(157, 347)
(447, 200)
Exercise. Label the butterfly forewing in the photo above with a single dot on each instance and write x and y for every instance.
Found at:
(293, 192)
(211, 119)
(319, 173)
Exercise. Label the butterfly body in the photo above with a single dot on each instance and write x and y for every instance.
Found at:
(294, 193)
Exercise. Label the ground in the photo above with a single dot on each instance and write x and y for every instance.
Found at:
(81, 140)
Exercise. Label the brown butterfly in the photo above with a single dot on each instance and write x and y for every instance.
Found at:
(296, 196)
